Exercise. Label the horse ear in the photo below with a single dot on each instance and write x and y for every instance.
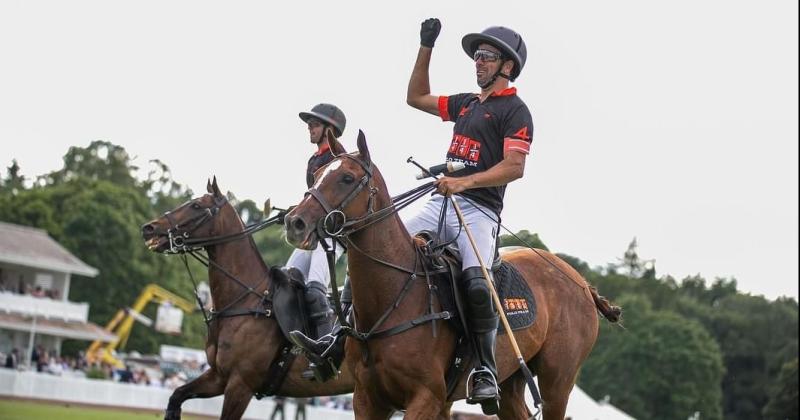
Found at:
(208, 187)
(362, 146)
(215, 188)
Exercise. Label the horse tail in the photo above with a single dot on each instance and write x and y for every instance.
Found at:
(610, 312)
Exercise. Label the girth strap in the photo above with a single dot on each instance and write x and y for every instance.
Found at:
(410, 324)
(230, 313)
(277, 372)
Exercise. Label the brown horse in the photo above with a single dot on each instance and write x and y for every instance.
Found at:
(407, 371)
(242, 345)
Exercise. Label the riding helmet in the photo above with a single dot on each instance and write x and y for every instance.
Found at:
(508, 41)
(329, 114)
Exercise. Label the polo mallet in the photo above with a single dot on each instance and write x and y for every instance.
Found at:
(537, 399)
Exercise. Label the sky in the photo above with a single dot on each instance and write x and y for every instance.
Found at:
(675, 123)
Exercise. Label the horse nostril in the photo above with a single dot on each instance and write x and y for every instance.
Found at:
(299, 225)
(148, 229)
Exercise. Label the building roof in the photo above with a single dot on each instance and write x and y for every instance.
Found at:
(32, 247)
(58, 328)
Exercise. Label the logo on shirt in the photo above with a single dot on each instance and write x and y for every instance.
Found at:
(465, 148)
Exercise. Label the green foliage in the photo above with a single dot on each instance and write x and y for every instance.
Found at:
(528, 239)
(94, 207)
(661, 366)
(784, 394)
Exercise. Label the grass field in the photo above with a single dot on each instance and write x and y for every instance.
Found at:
(29, 410)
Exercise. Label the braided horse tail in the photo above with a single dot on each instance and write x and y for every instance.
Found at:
(610, 312)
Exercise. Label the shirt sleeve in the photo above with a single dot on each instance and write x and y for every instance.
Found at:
(450, 106)
(518, 130)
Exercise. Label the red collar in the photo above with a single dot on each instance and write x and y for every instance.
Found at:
(325, 147)
(505, 92)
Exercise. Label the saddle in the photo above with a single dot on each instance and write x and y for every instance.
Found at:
(287, 298)
(444, 266)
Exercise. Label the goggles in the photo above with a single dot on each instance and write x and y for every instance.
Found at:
(486, 56)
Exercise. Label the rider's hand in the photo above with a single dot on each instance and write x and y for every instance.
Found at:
(448, 186)
(429, 32)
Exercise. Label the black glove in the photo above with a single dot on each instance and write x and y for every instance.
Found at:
(429, 32)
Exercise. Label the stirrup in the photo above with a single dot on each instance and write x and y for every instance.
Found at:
(489, 406)
(321, 372)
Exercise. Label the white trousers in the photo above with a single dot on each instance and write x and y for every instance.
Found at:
(313, 264)
(483, 228)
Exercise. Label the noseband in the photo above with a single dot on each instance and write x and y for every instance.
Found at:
(178, 233)
(335, 221)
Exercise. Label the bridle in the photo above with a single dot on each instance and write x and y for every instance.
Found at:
(181, 242)
(179, 236)
(343, 230)
(335, 221)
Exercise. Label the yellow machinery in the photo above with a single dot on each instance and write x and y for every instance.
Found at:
(122, 323)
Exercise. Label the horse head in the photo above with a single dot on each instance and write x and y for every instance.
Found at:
(186, 226)
(346, 191)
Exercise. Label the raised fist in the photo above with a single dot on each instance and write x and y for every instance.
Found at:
(429, 32)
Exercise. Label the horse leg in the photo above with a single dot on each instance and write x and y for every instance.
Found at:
(366, 409)
(512, 399)
(237, 398)
(555, 382)
(206, 385)
(427, 406)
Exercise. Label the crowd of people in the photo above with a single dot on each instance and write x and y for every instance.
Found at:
(50, 362)
(29, 289)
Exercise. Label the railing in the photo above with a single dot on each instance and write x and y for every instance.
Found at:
(43, 307)
(32, 385)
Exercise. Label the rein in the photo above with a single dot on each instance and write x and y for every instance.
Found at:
(181, 242)
(343, 230)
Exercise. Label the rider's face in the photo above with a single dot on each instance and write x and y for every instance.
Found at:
(315, 128)
(486, 68)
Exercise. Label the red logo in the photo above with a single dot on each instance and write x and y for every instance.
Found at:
(522, 133)
(463, 111)
(516, 304)
(465, 148)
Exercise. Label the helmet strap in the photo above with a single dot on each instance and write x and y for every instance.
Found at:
(491, 81)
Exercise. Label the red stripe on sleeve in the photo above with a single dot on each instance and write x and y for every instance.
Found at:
(516, 145)
(443, 108)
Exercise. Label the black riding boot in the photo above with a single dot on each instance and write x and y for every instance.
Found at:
(318, 309)
(326, 353)
(483, 325)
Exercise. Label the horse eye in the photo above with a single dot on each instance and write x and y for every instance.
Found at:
(348, 179)
(196, 206)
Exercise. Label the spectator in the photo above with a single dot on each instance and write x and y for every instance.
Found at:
(38, 292)
(279, 406)
(301, 408)
(126, 376)
(12, 359)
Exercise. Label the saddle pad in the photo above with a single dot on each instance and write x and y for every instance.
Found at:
(516, 297)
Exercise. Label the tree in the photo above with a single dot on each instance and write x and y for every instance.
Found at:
(14, 182)
(94, 206)
(661, 366)
(528, 239)
(784, 394)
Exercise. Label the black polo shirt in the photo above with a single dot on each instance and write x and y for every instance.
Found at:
(316, 161)
(482, 133)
